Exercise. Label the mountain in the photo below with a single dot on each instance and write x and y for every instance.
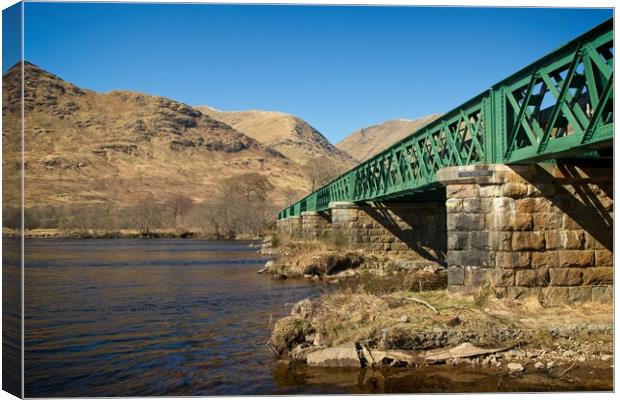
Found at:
(366, 142)
(289, 135)
(83, 147)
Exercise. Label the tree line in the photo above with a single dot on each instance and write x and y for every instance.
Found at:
(241, 206)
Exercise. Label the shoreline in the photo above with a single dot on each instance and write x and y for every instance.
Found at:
(384, 314)
(120, 234)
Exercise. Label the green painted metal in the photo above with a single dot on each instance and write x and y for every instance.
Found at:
(559, 106)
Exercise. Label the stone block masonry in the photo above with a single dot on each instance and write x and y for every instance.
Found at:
(315, 225)
(291, 226)
(415, 231)
(527, 230)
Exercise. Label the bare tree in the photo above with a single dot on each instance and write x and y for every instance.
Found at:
(242, 207)
(321, 170)
(179, 205)
(149, 215)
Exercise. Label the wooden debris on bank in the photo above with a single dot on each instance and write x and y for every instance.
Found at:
(462, 350)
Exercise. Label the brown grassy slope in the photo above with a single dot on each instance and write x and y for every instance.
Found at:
(366, 142)
(289, 135)
(87, 147)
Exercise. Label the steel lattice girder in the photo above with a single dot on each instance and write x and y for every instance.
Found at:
(561, 105)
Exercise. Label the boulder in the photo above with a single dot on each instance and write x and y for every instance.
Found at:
(344, 355)
(514, 367)
(319, 340)
(303, 309)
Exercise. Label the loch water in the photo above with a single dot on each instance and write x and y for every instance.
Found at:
(189, 317)
(151, 317)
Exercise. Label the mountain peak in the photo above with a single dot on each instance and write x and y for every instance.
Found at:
(288, 134)
(366, 142)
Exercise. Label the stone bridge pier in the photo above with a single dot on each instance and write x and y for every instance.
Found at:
(414, 231)
(531, 230)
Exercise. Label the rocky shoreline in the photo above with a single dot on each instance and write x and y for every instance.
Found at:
(383, 313)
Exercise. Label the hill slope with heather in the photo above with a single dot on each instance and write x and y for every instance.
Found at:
(288, 134)
(83, 147)
(366, 142)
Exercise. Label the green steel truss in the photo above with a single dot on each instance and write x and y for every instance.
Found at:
(558, 107)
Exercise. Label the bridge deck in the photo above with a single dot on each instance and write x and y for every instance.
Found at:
(560, 106)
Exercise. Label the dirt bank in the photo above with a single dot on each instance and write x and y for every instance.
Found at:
(381, 314)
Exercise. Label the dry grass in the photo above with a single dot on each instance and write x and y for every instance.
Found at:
(289, 331)
(346, 315)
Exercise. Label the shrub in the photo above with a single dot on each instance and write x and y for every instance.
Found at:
(275, 241)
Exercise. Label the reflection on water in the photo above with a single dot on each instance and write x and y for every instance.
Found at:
(189, 317)
(149, 317)
(11, 316)
(440, 379)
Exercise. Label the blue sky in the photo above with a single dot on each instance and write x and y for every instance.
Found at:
(11, 36)
(339, 68)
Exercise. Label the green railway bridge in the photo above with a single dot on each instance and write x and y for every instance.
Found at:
(513, 188)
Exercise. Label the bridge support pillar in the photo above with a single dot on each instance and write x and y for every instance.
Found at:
(294, 227)
(531, 230)
(415, 231)
(315, 225)
(290, 226)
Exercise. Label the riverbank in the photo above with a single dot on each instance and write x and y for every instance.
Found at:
(383, 313)
(118, 234)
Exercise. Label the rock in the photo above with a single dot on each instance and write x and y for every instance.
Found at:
(533, 354)
(345, 274)
(300, 352)
(569, 353)
(404, 318)
(606, 357)
(514, 367)
(344, 355)
(303, 308)
(539, 365)
(319, 340)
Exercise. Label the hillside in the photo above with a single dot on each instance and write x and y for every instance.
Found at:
(289, 135)
(84, 147)
(366, 142)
